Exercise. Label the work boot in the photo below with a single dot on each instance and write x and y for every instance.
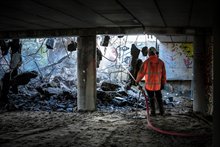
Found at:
(161, 108)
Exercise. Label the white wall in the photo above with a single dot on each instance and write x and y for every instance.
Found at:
(178, 60)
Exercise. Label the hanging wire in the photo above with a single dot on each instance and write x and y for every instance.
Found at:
(6, 60)
(119, 47)
(136, 40)
(65, 48)
(124, 49)
(113, 41)
(105, 52)
(2, 64)
(145, 39)
(41, 75)
(37, 49)
(110, 59)
(126, 40)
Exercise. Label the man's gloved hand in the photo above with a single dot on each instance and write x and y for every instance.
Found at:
(162, 87)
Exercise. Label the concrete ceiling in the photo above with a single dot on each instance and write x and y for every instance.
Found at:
(169, 20)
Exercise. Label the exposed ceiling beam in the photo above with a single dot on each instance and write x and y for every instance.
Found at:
(87, 7)
(129, 12)
(171, 38)
(190, 13)
(103, 30)
(161, 14)
(20, 20)
(189, 16)
(59, 11)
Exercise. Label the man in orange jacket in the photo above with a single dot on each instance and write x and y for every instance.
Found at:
(155, 78)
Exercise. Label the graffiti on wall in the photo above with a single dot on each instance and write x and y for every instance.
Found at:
(182, 50)
(177, 56)
(187, 49)
(178, 60)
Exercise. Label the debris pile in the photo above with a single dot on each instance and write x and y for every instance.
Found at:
(57, 95)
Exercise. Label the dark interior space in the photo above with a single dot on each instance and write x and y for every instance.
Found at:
(69, 73)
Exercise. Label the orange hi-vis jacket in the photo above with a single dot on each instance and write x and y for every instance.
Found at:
(155, 73)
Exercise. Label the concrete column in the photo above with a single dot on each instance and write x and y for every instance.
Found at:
(86, 73)
(216, 89)
(200, 100)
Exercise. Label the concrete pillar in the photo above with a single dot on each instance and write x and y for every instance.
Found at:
(200, 100)
(216, 89)
(86, 73)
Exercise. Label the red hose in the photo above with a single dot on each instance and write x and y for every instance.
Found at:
(149, 124)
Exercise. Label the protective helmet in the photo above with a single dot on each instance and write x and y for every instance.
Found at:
(152, 51)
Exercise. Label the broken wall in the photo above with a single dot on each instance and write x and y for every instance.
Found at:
(58, 62)
(116, 61)
(177, 58)
(47, 62)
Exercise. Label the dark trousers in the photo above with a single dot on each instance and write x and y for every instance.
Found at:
(158, 95)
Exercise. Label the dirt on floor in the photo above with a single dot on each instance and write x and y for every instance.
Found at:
(105, 127)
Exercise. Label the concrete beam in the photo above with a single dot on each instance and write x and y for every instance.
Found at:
(104, 30)
(216, 91)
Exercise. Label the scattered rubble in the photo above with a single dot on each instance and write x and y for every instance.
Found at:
(58, 96)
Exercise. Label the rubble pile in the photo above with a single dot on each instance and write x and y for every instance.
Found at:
(58, 96)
